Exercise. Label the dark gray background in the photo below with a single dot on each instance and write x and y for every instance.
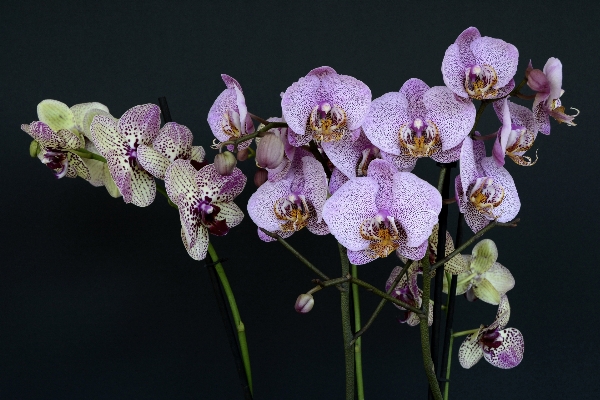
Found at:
(98, 299)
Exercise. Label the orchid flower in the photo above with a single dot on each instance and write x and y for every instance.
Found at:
(325, 106)
(119, 140)
(385, 211)
(173, 142)
(419, 121)
(502, 347)
(516, 135)
(484, 190)
(482, 277)
(288, 204)
(548, 85)
(478, 67)
(228, 117)
(60, 133)
(409, 292)
(205, 201)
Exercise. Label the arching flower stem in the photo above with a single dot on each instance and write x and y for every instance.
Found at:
(347, 325)
(357, 342)
(480, 110)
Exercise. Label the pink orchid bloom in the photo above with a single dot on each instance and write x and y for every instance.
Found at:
(517, 134)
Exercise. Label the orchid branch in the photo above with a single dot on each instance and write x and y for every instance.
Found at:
(510, 224)
(482, 107)
(84, 153)
(346, 325)
(424, 330)
(357, 342)
(258, 133)
(382, 302)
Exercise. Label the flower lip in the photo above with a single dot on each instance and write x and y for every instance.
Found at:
(480, 82)
(56, 160)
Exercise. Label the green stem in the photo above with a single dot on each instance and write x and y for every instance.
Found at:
(386, 296)
(253, 135)
(347, 325)
(465, 333)
(424, 329)
(466, 244)
(358, 342)
(83, 153)
(383, 301)
(241, 330)
(482, 107)
(447, 385)
(517, 90)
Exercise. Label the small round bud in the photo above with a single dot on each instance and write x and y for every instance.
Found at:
(304, 303)
(242, 155)
(225, 163)
(260, 177)
(269, 153)
(34, 148)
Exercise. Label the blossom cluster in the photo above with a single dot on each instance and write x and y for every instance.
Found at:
(336, 161)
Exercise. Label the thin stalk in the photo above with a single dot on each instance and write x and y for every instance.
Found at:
(517, 90)
(357, 343)
(346, 325)
(448, 339)
(424, 330)
(447, 385)
(465, 333)
(241, 330)
(382, 302)
(295, 252)
(251, 136)
(482, 107)
(511, 224)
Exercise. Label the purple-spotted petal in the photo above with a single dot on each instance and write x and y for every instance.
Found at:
(416, 204)
(44, 135)
(174, 141)
(470, 351)
(510, 352)
(403, 162)
(454, 117)
(337, 179)
(414, 89)
(412, 253)
(511, 204)
(180, 178)
(350, 94)
(386, 115)
(230, 212)
(448, 156)
(260, 205)
(347, 208)
(153, 161)
(143, 187)
(502, 56)
(346, 154)
(298, 101)
(360, 257)
(383, 172)
(105, 135)
(198, 153)
(315, 185)
(140, 124)
(200, 247)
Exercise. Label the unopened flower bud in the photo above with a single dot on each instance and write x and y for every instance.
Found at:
(304, 303)
(242, 155)
(34, 148)
(225, 163)
(269, 153)
(260, 177)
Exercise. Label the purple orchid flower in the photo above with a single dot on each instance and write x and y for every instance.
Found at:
(385, 211)
(419, 122)
(118, 141)
(205, 201)
(502, 347)
(173, 142)
(548, 85)
(286, 205)
(409, 292)
(228, 117)
(480, 67)
(484, 190)
(517, 134)
(324, 106)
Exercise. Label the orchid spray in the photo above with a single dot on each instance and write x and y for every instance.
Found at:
(335, 161)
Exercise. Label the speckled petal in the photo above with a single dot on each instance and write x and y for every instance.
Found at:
(485, 254)
(485, 291)
(198, 153)
(470, 169)
(386, 115)
(260, 205)
(80, 167)
(383, 172)
(315, 185)
(140, 124)
(230, 212)
(510, 353)
(500, 277)
(350, 94)
(347, 208)
(459, 56)
(89, 117)
(79, 112)
(413, 89)
(337, 180)
(198, 251)
(474, 219)
(345, 154)
(298, 101)
(503, 314)
(45, 136)
(360, 257)
(456, 264)
(470, 351)
(174, 141)
(105, 135)
(153, 161)
(57, 115)
(180, 178)
(453, 117)
(510, 206)
(231, 186)
(404, 162)
(120, 171)
(502, 56)
(416, 205)
(447, 156)
(411, 253)
(143, 187)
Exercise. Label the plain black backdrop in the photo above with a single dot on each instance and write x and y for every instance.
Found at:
(99, 300)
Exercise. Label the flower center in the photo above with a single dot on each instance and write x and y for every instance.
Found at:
(206, 213)
(328, 122)
(293, 210)
(131, 154)
(491, 339)
(420, 138)
(480, 81)
(57, 161)
(382, 233)
(485, 195)
(230, 123)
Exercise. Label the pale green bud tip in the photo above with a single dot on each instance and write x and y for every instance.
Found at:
(225, 163)
(304, 303)
(34, 148)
